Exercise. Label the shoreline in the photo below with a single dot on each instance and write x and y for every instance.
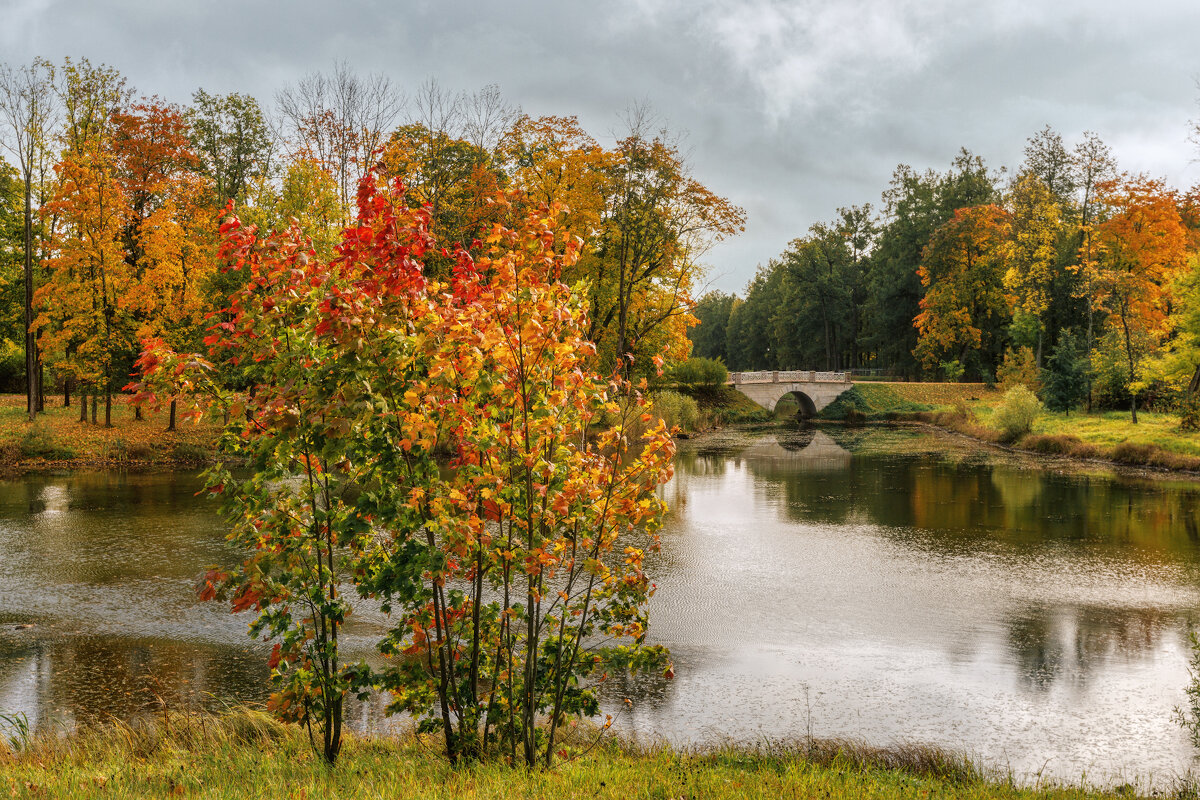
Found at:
(1190, 472)
(1044, 460)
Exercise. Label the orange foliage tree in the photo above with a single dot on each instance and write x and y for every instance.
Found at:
(962, 271)
(456, 179)
(85, 332)
(1142, 244)
(553, 160)
(169, 232)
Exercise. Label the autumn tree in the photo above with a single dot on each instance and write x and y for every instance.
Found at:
(501, 568)
(657, 222)
(1036, 224)
(88, 95)
(554, 160)
(84, 327)
(452, 177)
(962, 273)
(1179, 363)
(169, 231)
(1047, 158)
(1094, 164)
(447, 152)
(1141, 245)
(306, 193)
(915, 204)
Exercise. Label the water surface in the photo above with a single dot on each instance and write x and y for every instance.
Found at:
(882, 585)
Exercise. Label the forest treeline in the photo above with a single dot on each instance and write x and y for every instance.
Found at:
(1068, 272)
(110, 203)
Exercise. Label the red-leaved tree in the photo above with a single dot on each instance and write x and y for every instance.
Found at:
(444, 448)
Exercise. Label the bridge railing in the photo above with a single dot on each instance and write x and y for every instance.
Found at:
(788, 376)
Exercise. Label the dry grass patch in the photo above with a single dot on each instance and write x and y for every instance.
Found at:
(244, 754)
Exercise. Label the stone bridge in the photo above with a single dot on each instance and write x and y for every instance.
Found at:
(813, 390)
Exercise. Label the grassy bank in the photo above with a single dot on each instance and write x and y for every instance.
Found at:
(246, 755)
(58, 440)
(969, 408)
(724, 405)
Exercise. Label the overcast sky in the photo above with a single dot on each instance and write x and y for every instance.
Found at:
(791, 108)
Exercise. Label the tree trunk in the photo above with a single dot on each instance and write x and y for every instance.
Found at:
(828, 340)
(1194, 386)
(1132, 369)
(31, 392)
(82, 403)
(66, 392)
(95, 405)
(171, 424)
(107, 407)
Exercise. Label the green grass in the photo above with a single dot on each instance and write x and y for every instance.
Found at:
(875, 401)
(1110, 428)
(244, 754)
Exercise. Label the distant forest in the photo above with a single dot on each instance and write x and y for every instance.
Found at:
(974, 273)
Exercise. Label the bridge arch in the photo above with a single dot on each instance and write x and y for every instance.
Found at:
(807, 407)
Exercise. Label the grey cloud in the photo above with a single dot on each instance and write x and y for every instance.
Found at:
(792, 108)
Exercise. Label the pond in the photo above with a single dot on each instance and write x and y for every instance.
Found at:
(881, 584)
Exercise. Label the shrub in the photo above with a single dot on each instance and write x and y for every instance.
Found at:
(699, 372)
(189, 453)
(1133, 454)
(1016, 413)
(38, 442)
(116, 449)
(1050, 444)
(1085, 450)
(675, 410)
(961, 410)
